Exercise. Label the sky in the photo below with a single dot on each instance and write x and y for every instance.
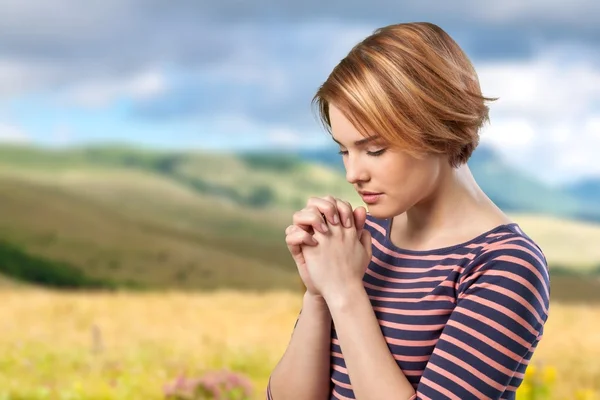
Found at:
(232, 75)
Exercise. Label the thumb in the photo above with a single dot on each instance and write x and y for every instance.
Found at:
(365, 240)
(360, 217)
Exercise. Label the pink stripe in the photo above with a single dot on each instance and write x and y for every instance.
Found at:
(437, 267)
(411, 327)
(522, 262)
(340, 396)
(409, 290)
(375, 226)
(476, 353)
(530, 267)
(411, 343)
(499, 234)
(425, 298)
(515, 278)
(401, 342)
(470, 369)
(431, 257)
(454, 378)
(406, 280)
(493, 324)
(339, 368)
(341, 384)
(396, 290)
(505, 311)
(444, 391)
(397, 357)
(510, 244)
(512, 295)
(401, 357)
(398, 311)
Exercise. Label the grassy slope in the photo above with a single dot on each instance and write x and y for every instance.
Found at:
(158, 230)
(142, 245)
(572, 244)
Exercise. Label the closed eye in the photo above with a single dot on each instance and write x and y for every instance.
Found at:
(376, 153)
(371, 153)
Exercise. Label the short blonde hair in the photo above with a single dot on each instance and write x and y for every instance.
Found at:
(412, 85)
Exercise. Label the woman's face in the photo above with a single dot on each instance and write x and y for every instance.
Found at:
(401, 179)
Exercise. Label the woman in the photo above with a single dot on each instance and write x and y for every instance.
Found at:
(435, 293)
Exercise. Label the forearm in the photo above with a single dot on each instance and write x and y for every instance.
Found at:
(303, 371)
(371, 367)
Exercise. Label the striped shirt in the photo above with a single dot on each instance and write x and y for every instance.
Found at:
(462, 321)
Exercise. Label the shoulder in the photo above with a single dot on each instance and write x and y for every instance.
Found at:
(511, 244)
(513, 266)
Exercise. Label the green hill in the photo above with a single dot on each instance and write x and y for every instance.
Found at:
(115, 217)
(109, 240)
(256, 181)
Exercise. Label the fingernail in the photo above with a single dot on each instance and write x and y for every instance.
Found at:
(336, 219)
(324, 228)
(348, 224)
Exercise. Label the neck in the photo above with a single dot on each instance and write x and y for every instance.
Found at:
(456, 199)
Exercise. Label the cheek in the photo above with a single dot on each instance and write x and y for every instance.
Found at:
(408, 178)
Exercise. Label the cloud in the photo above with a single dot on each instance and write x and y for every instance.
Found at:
(12, 134)
(282, 137)
(547, 117)
(273, 79)
(98, 41)
(143, 86)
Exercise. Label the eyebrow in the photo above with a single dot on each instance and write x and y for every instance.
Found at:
(361, 141)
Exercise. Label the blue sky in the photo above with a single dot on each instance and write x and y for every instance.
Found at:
(229, 75)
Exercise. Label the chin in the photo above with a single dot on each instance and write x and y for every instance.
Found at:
(379, 211)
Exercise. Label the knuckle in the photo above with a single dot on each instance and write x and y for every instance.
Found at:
(292, 238)
(311, 200)
(344, 207)
(329, 207)
(312, 209)
(305, 235)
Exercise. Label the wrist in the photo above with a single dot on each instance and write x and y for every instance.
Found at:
(314, 301)
(344, 299)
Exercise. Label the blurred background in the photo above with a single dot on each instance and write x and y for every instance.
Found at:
(152, 154)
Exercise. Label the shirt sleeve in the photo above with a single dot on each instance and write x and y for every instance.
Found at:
(502, 306)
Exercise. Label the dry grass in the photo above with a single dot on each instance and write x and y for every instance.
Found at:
(121, 346)
(565, 242)
(128, 345)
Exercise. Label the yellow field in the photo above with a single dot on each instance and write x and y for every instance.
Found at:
(127, 346)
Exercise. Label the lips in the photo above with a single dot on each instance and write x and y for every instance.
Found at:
(370, 197)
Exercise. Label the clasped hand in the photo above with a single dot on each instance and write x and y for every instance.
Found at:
(330, 246)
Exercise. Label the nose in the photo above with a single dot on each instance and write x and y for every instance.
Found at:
(356, 171)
